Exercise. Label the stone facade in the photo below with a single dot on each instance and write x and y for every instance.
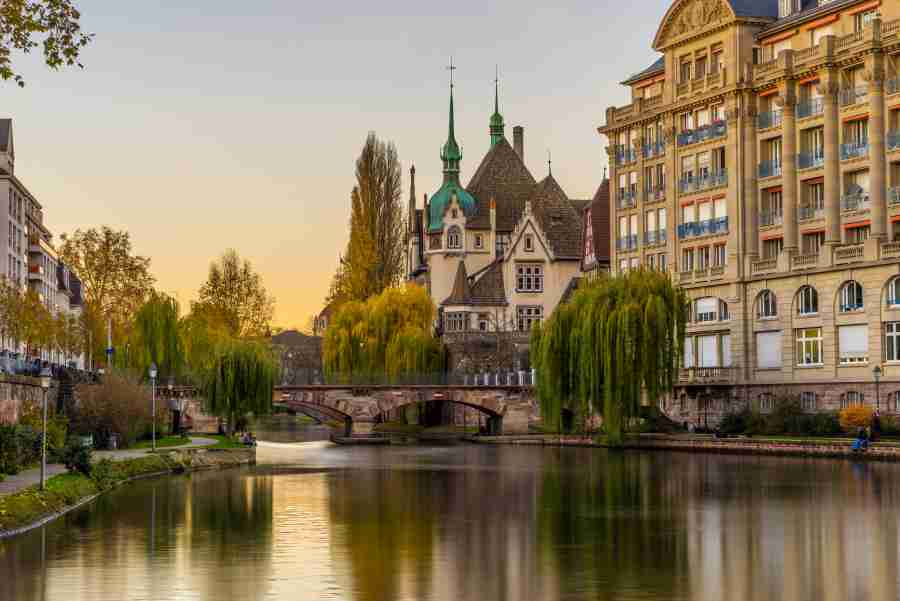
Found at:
(759, 163)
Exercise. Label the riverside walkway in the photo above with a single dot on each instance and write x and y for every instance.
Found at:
(32, 477)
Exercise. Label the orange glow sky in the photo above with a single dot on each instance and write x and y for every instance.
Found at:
(198, 131)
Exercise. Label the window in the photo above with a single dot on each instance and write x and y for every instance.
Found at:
(529, 278)
(766, 305)
(688, 352)
(454, 238)
(853, 344)
(857, 132)
(662, 262)
(772, 247)
(851, 297)
(703, 257)
(479, 241)
(634, 263)
(454, 213)
(813, 242)
(528, 317)
(705, 309)
(809, 346)
(456, 322)
(863, 19)
(815, 195)
(651, 262)
(529, 243)
(893, 292)
(687, 259)
(807, 301)
(808, 400)
(623, 265)
(501, 244)
(892, 341)
(852, 398)
(768, 350)
(719, 255)
(766, 402)
(483, 321)
(434, 241)
(857, 235)
(707, 352)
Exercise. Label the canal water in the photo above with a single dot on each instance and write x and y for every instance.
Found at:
(480, 523)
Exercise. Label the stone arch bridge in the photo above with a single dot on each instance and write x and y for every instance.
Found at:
(356, 409)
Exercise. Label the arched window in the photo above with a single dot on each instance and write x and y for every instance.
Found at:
(808, 400)
(851, 297)
(894, 401)
(851, 398)
(454, 238)
(807, 301)
(766, 402)
(766, 305)
(893, 292)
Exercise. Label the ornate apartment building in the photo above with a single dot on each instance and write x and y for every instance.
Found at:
(759, 163)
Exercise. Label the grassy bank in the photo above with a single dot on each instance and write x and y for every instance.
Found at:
(30, 505)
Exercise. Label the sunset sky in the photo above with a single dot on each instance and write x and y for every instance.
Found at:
(199, 126)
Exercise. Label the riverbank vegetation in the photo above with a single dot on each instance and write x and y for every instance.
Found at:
(617, 340)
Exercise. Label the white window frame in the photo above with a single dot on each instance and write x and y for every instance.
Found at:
(807, 301)
(892, 341)
(808, 347)
(456, 321)
(846, 357)
(851, 297)
(527, 316)
(767, 305)
(852, 398)
(454, 238)
(766, 402)
(893, 292)
(529, 243)
(479, 241)
(529, 277)
(808, 400)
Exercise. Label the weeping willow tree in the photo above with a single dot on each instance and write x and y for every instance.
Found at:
(616, 338)
(155, 338)
(390, 334)
(239, 380)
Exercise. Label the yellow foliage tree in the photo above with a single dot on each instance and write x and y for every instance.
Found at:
(856, 416)
(390, 335)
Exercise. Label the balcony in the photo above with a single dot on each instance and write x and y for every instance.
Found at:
(893, 140)
(811, 160)
(705, 181)
(627, 242)
(654, 149)
(764, 266)
(854, 150)
(770, 168)
(719, 225)
(655, 194)
(626, 199)
(767, 218)
(768, 119)
(693, 229)
(855, 201)
(625, 156)
(809, 212)
(701, 134)
(706, 375)
(893, 196)
(810, 108)
(655, 238)
(852, 96)
(807, 261)
(849, 253)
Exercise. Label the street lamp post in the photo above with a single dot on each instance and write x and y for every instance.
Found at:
(175, 426)
(877, 373)
(45, 386)
(153, 397)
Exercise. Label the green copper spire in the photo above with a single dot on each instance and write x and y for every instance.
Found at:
(496, 127)
(451, 154)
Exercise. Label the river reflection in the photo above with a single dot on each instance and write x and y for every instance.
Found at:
(478, 523)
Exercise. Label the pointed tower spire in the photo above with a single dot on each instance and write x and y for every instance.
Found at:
(412, 201)
(549, 163)
(497, 125)
(451, 154)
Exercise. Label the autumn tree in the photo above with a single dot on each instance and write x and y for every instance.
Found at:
(115, 281)
(234, 297)
(52, 24)
(374, 259)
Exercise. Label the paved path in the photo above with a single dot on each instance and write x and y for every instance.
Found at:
(31, 477)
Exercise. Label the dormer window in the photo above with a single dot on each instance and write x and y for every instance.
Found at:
(454, 238)
(787, 7)
(529, 243)
(454, 213)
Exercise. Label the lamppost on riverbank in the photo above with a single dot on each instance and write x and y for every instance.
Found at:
(877, 373)
(45, 386)
(153, 397)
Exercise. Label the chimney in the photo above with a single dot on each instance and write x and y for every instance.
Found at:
(519, 141)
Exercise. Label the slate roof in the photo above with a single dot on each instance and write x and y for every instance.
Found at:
(502, 176)
(571, 287)
(486, 290)
(558, 218)
(601, 210)
(580, 204)
(811, 10)
(755, 8)
(659, 66)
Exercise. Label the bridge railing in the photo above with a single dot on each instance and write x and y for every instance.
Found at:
(525, 378)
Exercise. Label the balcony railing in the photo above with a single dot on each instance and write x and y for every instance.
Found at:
(624, 156)
(811, 160)
(770, 218)
(849, 253)
(770, 168)
(655, 237)
(626, 199)
(768, 119)
(706, 227)
(805, 261)
(854, 150)
(893, 140)
(627, 242)
(854, 95)
(706, 375)
(764, 265)
(893, 195)
(810, 108)
(855, 202)
(701, 134)
(809, 212)
(654, 149)
(655, 194)
(719, 225)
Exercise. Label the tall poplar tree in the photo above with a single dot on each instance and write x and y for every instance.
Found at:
(373, 260)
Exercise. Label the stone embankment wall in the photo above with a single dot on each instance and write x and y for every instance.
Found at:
(18, 393)
(200, 459)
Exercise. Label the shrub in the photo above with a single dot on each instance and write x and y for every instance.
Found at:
(890, 426)
(19, 447)
(787, 417)
(77, 457)
(103, 474)
(57, 427)
(825, 424)
(856, 416)
(735, 422)
(116, 406)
